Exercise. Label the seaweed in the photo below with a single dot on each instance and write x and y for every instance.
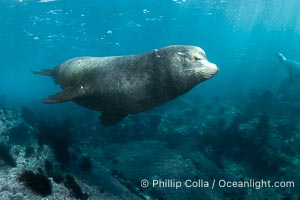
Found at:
(37, 182)
(29, 150)
(58, 137)
(237, 142)
(75, 188)
(263, 128)
(19, 134)
(52, 172)
(48, 167)
(85, 163)
(6, 156)
(28, 115)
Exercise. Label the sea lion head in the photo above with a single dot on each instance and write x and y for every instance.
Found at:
(190, 67)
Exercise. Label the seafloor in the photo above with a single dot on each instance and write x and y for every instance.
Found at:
(255, 136)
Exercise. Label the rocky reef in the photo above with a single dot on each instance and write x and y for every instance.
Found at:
(254, 137)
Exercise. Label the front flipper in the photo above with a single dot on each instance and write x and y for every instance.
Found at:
(111, 118)
(68, 94)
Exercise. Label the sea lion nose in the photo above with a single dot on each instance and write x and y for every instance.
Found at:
(213, 68)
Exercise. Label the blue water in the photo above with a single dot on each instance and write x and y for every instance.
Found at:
(241, 37)
(229, 122)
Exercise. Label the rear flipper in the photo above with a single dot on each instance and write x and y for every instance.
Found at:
(46, 72)
(108, 119)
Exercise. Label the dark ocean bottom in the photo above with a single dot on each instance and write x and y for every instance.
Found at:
(246, 148)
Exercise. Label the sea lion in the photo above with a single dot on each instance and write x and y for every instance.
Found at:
(122, 85)
(289, 90)
(293, 67)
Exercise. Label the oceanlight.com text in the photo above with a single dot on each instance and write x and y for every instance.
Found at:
(212, 184)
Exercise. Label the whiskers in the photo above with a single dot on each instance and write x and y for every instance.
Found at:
(204, 72)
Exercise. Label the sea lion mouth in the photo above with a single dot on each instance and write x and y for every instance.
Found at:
(205, 72)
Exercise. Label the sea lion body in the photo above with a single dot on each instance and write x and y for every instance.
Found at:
(292, 67)
(122, 85)
(289, 90)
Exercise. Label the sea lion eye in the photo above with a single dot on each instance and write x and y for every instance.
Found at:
(197, 58)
